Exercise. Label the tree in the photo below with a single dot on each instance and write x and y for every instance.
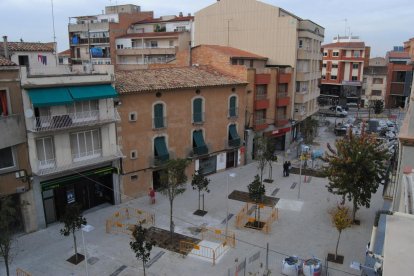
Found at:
(141, 245)
(73, 220)
(260, 156)
(200, 183)
(309, 128)
(356, 168)
(256, 192)
(341, 220)
(8, 219)
(270, 157)
(173, 183)
(378, 106)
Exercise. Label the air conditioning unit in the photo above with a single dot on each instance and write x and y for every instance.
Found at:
(21, 189)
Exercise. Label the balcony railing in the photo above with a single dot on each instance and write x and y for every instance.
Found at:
(233, 143)
(261, 97)
(159, 122)
(282, 95)
(75, 161)
(233, 112)
(160, 160)
(71, 120)
(198, 117)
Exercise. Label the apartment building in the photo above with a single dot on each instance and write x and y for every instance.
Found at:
(374, 84)
(290, 42)
(187, 112)
(154, 41)
(92, 37)
(269, 92)
(64, 57)
(342, 70)
(399, 76)
(409, 47)
(73, 152)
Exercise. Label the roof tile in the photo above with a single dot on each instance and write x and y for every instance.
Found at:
(6, 62)
(28, 47)
(346, 45)
(233, 52)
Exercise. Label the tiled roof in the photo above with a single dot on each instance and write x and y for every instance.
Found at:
(233, 52)
(402, 55)
(345, 45)
(154, 34)
(375, 70)
(6, 62)
(65, 53)
(170, 78)
(28, 47)
(159, 20)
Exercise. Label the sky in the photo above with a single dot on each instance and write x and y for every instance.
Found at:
(382, 24)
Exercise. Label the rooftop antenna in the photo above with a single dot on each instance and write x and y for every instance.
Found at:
(346, 25)
(54, 32)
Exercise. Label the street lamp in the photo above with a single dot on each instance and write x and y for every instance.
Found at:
(86, 228)
(233, 175)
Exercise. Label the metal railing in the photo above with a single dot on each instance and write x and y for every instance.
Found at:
(233, 143)
(71, 120)
(159, 122)
(160, 160)
(282, 94)
(259, 97)
(200, 150)
(148, 47)
(51, 166)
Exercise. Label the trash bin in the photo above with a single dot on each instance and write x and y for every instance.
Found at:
(291, 266)
(312, 267)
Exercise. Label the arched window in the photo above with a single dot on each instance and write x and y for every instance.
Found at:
(161, 153)
(199, 146)
(159, 117)
(198, 114)
(233, 106)
(233, 136)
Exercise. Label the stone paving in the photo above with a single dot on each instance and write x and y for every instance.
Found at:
(303, 229)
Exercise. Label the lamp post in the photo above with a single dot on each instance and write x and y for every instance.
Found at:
(86, 228)
(227, 201)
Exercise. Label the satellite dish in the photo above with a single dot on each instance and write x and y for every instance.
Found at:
(28, 113)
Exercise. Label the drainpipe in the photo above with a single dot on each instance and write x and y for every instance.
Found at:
(5, 47)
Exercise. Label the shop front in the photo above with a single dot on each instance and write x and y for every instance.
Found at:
(88, 189)
(277, 138)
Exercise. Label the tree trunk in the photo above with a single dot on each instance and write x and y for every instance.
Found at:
(171, 220)
(6, 262)
(143, 266)
(76, 248)
(199, 195)
(354, 210)
(337, 244)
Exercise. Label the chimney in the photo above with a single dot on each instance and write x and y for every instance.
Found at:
(5, 47)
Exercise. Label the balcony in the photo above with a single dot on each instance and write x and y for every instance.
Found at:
(233, 113)
(307, 76)
(300, 116)
(15, 134)
(198, 151)
(284, 77)
(43, 124)
(88, 27)
(161, 160)
(261, 102)
(159, 123)
(281, 121)
(74, 161)
(146, 50)
(302, 97)
(306, 54)
(230, 144)
(260, 124)
(282, 99)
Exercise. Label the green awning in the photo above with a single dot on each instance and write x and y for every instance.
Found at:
(92, 92)
(233, 132)
(50, 96)
(161, 149)
(200, 146)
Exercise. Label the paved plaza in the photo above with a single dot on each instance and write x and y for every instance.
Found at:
(303, 229)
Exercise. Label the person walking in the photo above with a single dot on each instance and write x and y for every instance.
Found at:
(288, 166)
(151, 194)
(285, 168)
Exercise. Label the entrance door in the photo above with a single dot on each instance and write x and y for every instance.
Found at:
(230, 162)
(49, 206)
(156, 179)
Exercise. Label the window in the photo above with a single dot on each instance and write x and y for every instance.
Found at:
(335, 54)
(154, 44)
(282, 88)
(333, 77)
(85, 145)
(354, 78)
(324, 65)
(355, 66)
(4, 110)
(134, 177)
(6, 158)
(198, 116)
(300, 43)
(120, 46)
(171, 43)
(325, 54)
(251, 63)
(132, 116)
(376, 92)
(234, 61)
(233, 136)
(84, 111)
(45, 152)
(323, 77)
(160, 150)
(133, 154)
(233, 106)
(199, 146)
(241, 62)
(180, 29)
(356, 54)
(377, 81)
(60, 60)
(334, 65)
(159, 119)
(260, 117)
(261, 92)
(24, 60)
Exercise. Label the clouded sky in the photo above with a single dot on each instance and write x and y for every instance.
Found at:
(380, 23)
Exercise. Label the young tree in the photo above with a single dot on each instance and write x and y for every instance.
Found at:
(260, 154)
(173, 183)
(256, 192)
(341, 220)
(8, 218)
(141, 245)
(200, 183)
(378, 106)
(270, 157)
(309, 129)
(73, 220)
(356, 168)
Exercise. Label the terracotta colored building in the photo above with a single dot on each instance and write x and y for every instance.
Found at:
(269, 91)
(409, 47)
(188, 112)
(342, 70)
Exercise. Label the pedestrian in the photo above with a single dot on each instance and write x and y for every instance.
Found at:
(151, 194)
(289, 165)
(285, 168)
